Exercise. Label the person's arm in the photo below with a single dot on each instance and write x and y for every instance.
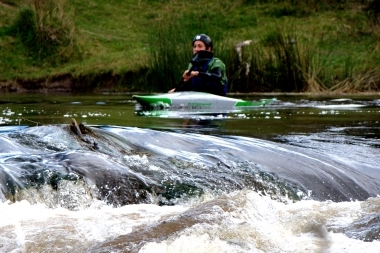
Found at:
(214, 75)
(213, 81)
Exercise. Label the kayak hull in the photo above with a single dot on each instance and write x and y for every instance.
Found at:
(196, 101)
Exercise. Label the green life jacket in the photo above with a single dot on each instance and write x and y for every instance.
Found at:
(215, 63)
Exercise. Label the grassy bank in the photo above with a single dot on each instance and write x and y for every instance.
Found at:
(290, 45)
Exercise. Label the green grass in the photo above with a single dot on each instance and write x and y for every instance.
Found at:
(145, 45)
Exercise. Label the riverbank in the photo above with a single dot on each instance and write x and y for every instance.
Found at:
(126, 46)
(67, 86)
(66, 83)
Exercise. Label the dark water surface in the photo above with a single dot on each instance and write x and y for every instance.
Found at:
(288, 115)
(299, 175)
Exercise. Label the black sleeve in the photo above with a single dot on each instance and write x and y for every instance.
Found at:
(214, 76)
(210, 83)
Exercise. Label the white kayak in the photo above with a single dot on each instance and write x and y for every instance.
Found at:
(190, 100)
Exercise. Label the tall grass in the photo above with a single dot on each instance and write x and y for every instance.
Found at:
(279, 61)
(359, 78)
(171, 51)
(170, 55)
(47, 31)
(282, 62)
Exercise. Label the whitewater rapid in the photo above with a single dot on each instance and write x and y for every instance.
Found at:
(127, 189)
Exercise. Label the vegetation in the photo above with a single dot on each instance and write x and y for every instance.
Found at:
(278, 45)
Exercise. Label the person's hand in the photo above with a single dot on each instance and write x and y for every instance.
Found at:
(192, 74)
(171, 91)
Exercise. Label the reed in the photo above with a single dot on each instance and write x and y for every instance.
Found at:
(284, 62)
(359, 78)
(277, 62)
(280, 61)
(171, 51)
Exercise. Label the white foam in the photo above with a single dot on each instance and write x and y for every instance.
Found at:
(344, 106)
(25, 227)
(242, 221)
(254, 223)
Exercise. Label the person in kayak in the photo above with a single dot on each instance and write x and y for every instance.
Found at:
(207, 75)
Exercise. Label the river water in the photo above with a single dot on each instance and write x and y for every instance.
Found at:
(299, 175)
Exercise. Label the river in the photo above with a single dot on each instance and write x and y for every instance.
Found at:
(298, 175)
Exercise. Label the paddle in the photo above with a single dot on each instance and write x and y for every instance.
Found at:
(199, 59)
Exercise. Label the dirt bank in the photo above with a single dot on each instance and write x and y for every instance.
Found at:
(104, 82)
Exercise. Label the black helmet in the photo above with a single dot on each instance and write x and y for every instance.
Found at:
(204, 38)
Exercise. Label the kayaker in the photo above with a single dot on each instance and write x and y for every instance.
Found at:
(208, 76)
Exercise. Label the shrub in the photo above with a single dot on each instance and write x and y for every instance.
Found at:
(47, 32)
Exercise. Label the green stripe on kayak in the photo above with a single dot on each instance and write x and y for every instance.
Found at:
(253, 103)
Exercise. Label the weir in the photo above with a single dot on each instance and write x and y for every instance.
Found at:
(291, 176)
(132, 165)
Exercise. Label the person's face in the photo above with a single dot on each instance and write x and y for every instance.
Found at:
(198, 46)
